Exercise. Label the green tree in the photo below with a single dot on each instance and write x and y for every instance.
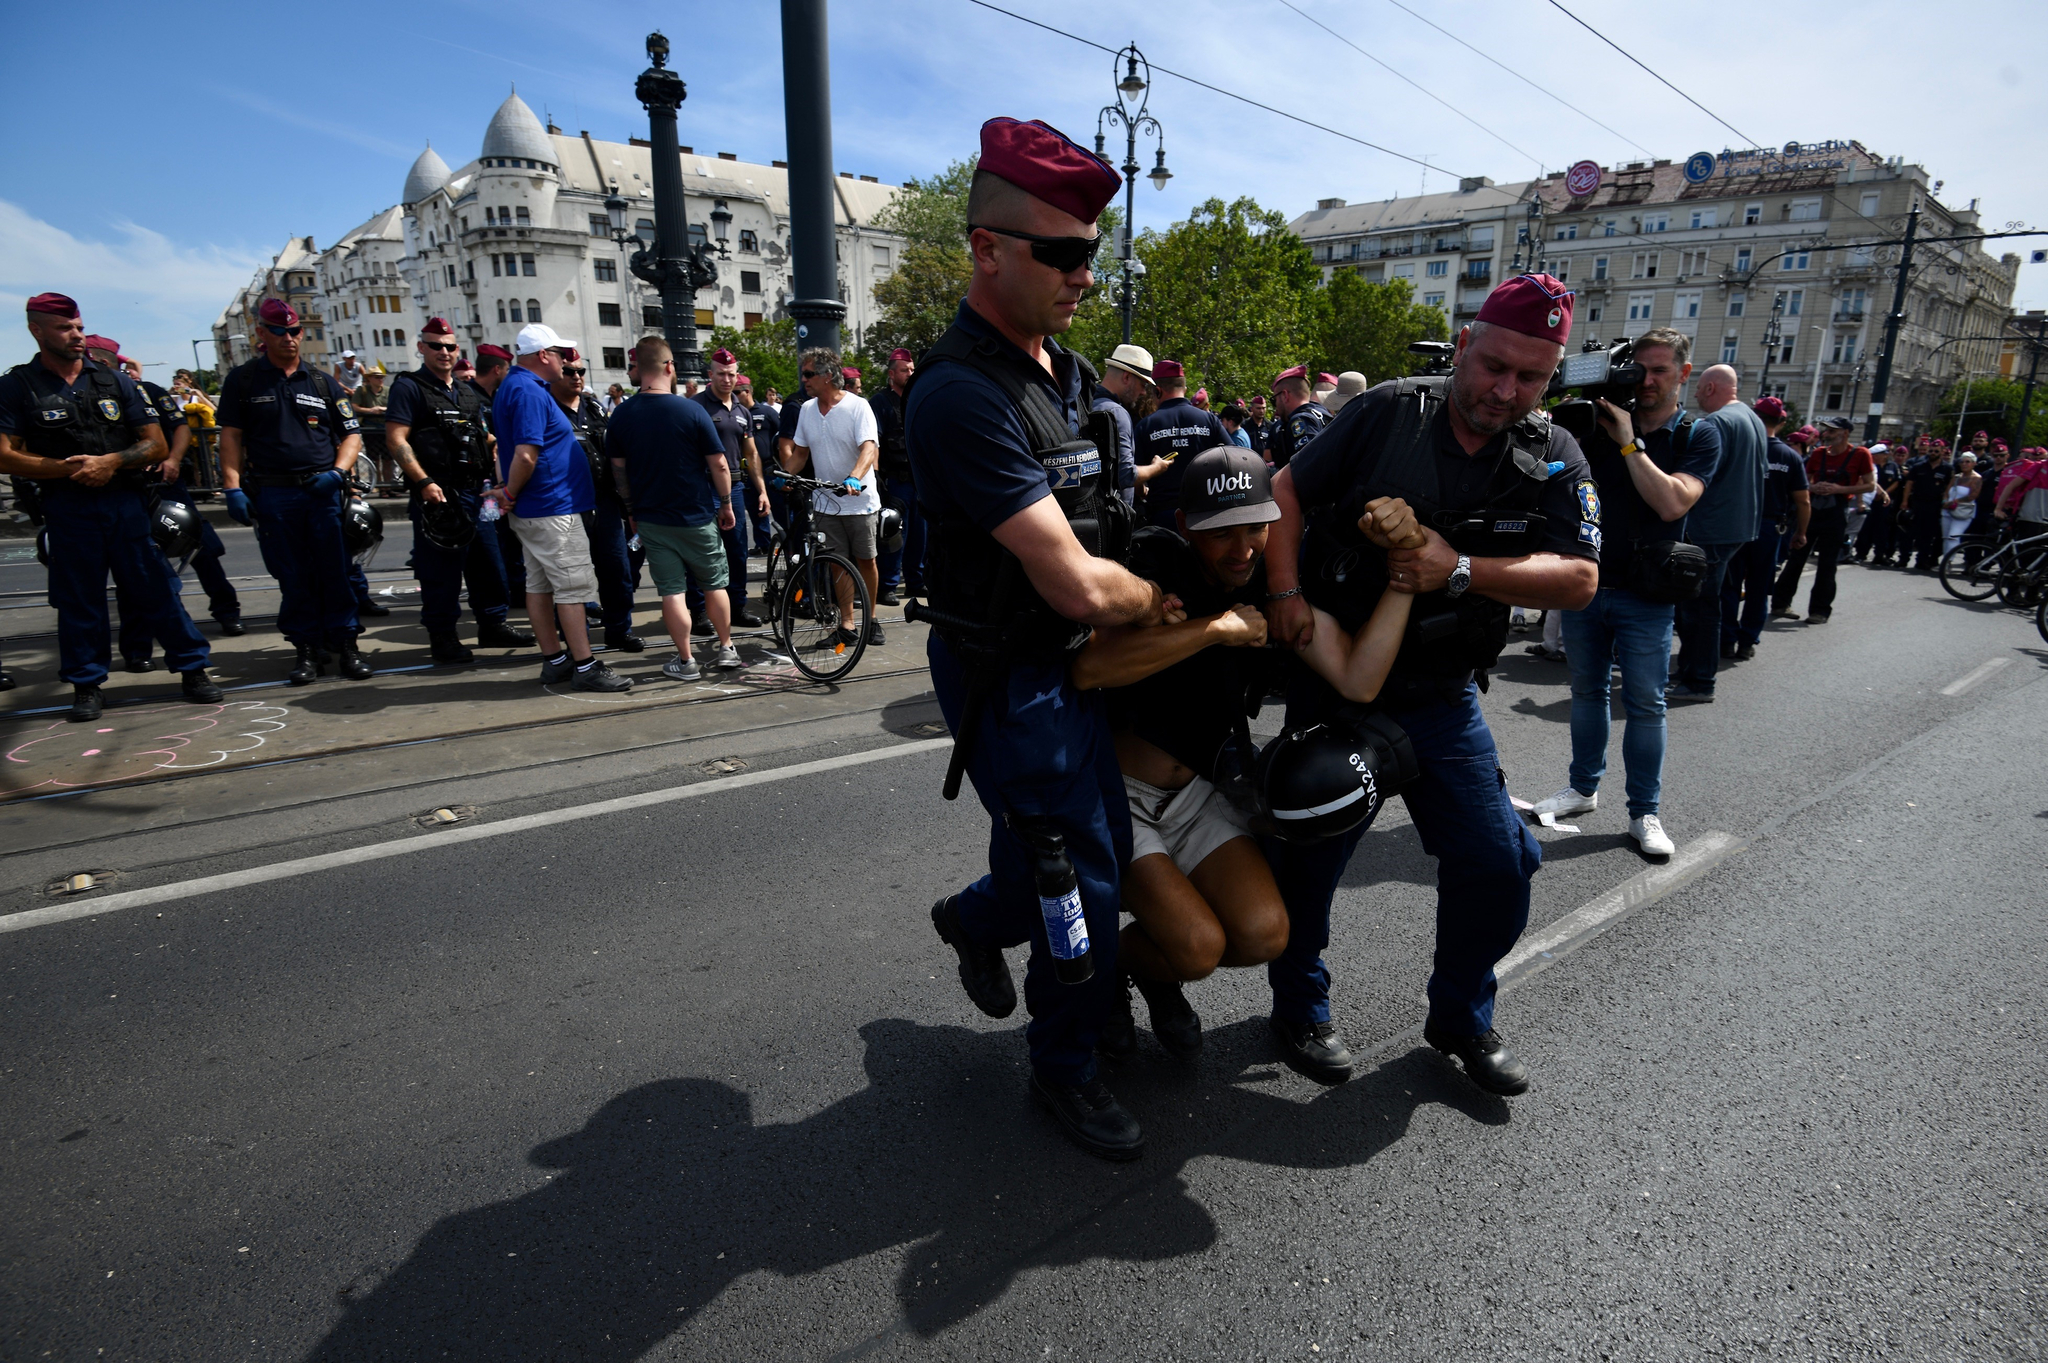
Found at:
(1994, 406)
(1369, 326)
(918, 300)
(767, 354)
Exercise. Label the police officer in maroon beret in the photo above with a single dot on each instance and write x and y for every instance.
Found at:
(1007, 458)
(1511, 518)
(902, 568)
(1301, 417)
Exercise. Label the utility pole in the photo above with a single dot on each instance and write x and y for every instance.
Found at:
(1771, 334)
(1882, 382)
(807, 112)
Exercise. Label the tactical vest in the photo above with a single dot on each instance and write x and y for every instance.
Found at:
(971, 575)
(893, 454)
(66, 422)
(1345, 574)
(447, 436)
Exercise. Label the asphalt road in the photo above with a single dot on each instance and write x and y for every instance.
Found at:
(694, 1080)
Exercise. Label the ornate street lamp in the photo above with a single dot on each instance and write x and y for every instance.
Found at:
(1133, 94)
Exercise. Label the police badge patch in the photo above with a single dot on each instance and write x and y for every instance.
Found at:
(341, 405)
(1589, 500)
(110, 409)
(1589, 535)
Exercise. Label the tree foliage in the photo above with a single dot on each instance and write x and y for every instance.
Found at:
(1994, 407)
(917, 301)
(1369, 327)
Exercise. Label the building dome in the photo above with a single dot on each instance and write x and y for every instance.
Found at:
(428, 174)
(516, 134)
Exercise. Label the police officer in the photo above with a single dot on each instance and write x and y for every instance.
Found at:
(610, 553)
(288, 439)
(1926, 485)
(1300, 418)
(902, 568)
(762, 416)
(735, 426)
(88, 436)
(436, 430)
(1162, 442)
(1512, 520)
(995, 426)
(493, 363)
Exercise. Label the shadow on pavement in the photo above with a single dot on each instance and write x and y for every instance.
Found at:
(672, 1191)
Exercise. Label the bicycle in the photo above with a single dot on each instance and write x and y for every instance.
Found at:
(2015, 571)
(804, 579)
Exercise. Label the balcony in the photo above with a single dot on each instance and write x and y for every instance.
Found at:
(469, 288)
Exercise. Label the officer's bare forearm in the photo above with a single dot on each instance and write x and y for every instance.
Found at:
(181, 442)
(345, 454)
(17, 462)
(721, 477)
(397, 439)
(230, 456)
(149, 449)
(750, 461)
(1542, 581)
(1283, 540)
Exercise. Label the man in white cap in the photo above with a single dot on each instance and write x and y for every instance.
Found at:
(1126, 391)
(547, 490)
(349, 372)
(1350, 384)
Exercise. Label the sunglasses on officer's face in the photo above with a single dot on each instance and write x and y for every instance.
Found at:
(576, 373)
(1065, 254)
(434, 345)
(282, 331)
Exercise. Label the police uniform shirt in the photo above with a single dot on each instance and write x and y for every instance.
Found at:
(1179, 428)
(170, 413)
(24, 409)
(766, 420)
(1189, 709)
(289, 422)
(888, 410)
(1889, 475)
(1627, 520)
(733, 423)
(1787, 475)
(969, 450)
(785, 421)
(1928, 481)
(1126, 441)
(1289, 434)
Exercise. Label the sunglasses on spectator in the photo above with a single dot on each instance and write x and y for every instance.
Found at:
(282, 331)
(1065, 254)
(436, 345)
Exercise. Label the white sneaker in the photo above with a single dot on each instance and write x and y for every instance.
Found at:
(1649, 834)
(1566, 802)
(728, 657)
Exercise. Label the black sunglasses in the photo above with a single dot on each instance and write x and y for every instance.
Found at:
(282, 331)
(579, 373)
(1065, 254)
(436, 345)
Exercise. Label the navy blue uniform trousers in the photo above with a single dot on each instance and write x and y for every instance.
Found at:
(95, 532)
(1043, 750)
(441, 572)
(612, 560)
(1746, 589)
(905, 566)
(1484, 854)
(299, 532)
(224, 604)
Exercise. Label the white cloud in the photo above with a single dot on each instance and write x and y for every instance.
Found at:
(149, 293)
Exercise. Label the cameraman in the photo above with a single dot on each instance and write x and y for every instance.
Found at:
(1651, 466)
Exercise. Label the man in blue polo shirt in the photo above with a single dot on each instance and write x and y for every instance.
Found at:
(547, 491)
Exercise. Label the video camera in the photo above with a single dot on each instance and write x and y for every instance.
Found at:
(1439, 355)
(1597, 371)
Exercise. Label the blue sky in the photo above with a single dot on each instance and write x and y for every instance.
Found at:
(206, 135)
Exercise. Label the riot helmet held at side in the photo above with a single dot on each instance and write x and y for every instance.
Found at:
(447, 525)
(43, 546)
(175, 528)
(362, 529)
(890, 535)
(1330, 779)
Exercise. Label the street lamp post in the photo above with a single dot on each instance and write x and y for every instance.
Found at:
(1771, 337)
(1133, 95)
(675, 268)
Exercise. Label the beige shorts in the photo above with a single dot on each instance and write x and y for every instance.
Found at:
(1183, 825)
(557, 555)
(853, 536)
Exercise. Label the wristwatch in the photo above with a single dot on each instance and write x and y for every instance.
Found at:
(1461, 577)
(1632, 447)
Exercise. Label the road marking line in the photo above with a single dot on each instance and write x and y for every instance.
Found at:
(1973, 676)
(429, 842)
(1688, 864)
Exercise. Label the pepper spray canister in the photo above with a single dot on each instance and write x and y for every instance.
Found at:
(1059, 902)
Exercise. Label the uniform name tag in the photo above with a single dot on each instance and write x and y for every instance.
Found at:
(1511, 527)
(263, 397)
(1066, 468)
(308, 400)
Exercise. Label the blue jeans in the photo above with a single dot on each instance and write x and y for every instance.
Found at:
(441, 572)
(1746, 590)
(1043, 750)
(1485, 858)
(1619, 624)
(299, 532)
(95, 532)
(1698, 623)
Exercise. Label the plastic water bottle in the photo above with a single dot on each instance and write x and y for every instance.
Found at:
(1059, 900)
(634, 544)
(489, 511)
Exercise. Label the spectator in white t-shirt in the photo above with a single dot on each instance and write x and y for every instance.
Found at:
(836, 439)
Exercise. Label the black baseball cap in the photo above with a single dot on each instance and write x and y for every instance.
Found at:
(1227, 485)
(1838, 423)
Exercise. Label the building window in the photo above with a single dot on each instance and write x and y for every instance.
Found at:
(1599, 267)
(608, 315)
(881, 257)
(1805, 210)
(398, 337)
(650, 315)
(750, 321)
(1644, 266)
(1861, 255)
(517, 315)
(490, 215)
(533, 309)
(1695, 262)
(698, 235)
(469, 269)
(1742, 259)
(1434, 300)
(1737, 302)
(1685, 307)
(643, 228)
(600, 225)
(1483, 269)
(1845, 348)
(496, 262)
(1657, 222)
(750, 281)
(1569, 232)
(1833, 401)
(1439, 268)
(1794, 301)
(525, 266)
(1612, 226)
(750, 243)
(1593, 313)
(1752, 214)
(525, 218)
(614, 357)
(1731, 346)
(465, 222)
(1703, 217)
(1785, 349)
(1640, 305)
(1849, 305)
(1795, 260)
(607, 270)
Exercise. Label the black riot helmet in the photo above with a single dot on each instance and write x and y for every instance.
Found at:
(175, 528)
(447, 525)
(891, 536)
(43, 546)
(1330, 779)
(362, 529)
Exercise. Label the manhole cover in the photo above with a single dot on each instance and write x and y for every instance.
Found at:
(723, 766)
(447, 816)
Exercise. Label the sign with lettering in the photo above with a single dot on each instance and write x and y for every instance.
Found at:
(1832, 154)
(1582, 179)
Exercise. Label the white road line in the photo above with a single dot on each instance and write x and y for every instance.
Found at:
(1686, 865)
(428, 842)
(1973, 676)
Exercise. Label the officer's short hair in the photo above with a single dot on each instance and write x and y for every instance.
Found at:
(650, 353)
(1298, 384)
(993, 201)
(825, 363)
(1678, 341)
(486, 363)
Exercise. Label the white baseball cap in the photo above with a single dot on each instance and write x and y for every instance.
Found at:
(535, 337)
(348, 354)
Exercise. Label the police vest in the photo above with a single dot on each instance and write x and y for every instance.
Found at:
(971, 575)
(448, 436)
(894, 450)
(66, 422)
(590, 425)
(1345, 574)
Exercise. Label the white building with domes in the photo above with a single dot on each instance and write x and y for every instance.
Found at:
(521, 234)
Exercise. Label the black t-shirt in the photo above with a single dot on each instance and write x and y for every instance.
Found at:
(1787, 475)
(733, 423)
(1928, 481)
(1627, 519)
(1189, 709)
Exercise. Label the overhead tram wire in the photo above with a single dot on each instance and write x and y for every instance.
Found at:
(1213, 89)
(1522, 78)
(1398, 76)
(1747, 140)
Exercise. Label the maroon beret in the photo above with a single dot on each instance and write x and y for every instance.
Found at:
(437, 326)
(849, 372)
(743, 382)
(275, 312)
(112, 347)
(1166, 370)
(1805, 435)
(1770, 409)
(1046, 164)
(487, 351)
(1299, 371)
(1534, 304)
(724, 356)
(899, 353)
(55, 304)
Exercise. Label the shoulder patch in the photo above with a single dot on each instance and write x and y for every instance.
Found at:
(110, 409)
(1589, 500)
(341, 406)
(1589, 535)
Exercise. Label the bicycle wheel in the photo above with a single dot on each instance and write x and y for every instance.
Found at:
(2041, 619)
(823, 639)
(773, 575)
(1968, 579)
